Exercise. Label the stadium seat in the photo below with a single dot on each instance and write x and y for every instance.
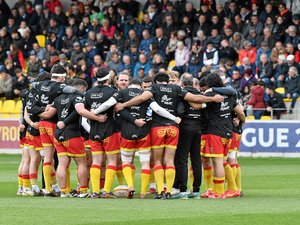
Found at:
(8, 107)
(250, 118)
(18, 108)
(41, 40)
(172, 64)
(265, 118)
(280, 90)
(140, 17)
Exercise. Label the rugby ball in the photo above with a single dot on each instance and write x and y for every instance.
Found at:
(121, 191)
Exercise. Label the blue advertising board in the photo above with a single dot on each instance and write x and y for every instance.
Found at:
(271, 136)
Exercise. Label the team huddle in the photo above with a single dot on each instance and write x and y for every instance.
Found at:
(102, 129)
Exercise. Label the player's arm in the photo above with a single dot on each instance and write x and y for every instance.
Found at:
(82, 111)
(71, 90)
(134, 101)
(202, 99)
(48, 114)
(228, 90)
(29, 121)
(85, 124)
(126, 115)
(195, 105)
(105, 105)
(239, 110)
(72, 117)
(163, 112)
(36, 108)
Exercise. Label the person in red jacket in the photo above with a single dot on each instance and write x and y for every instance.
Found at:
(51, 4)
(248, 51)
(257, 99)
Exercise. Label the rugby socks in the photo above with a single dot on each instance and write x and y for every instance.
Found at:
(69, 179)
(53, 178)
(151, 179)
(20, 180)
(133, 173)
(33, 178)
(218, 185)
(83, 189)
(26, 181)
(47, 167)
(170, 177)
(95, 172)
(207, 172)
(120, 176)
(159, 178)
(145, 176)
(64, 190)
(238, 178)
(231, 185)
(127, 171)
(233, 167)
(109, 177)
(191, 177)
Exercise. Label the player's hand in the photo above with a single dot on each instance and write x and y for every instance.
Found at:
(35, 125)
(119, 107)
(218, 98)
(61, 125)
(102, 118)
(139, 122)
(22, 127)
(236, 122)
(177, 120)
(208, 90)
(93, 111)
(47, 108)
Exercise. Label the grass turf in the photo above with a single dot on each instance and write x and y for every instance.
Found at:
(271, 187)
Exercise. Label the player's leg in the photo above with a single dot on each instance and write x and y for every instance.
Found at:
(127, 156)
(64, 162)
(159, 172)
(219, 177)
(152, 186)
(25, 173)
(20, 168)
(95, 171)
(119, 173)
(89, 162)
(35, 159)
(112, 149)
(82, 174)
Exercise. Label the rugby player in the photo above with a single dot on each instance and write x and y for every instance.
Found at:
(103, 135)
(164, 133)
(68, 140)
(47, 91)
(219, 133)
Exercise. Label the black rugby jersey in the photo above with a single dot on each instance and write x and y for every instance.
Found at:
(167, 96)
(32, 115)
(65, 105)
(92, 100)
(128, 129)
(191, 116)
(237, 129)
(220, 120)
(47, 91)
(23, 96)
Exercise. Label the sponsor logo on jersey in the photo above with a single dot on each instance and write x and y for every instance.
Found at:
(167, 101)
(96, 95)
(165, 89)
(64, 101)
(45, 88)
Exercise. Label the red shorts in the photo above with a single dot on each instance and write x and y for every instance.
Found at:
(23, 142)
(203, 142)
(34, 142)
(47, 133)
(73, 147)
(110, 145)
(216, 146)
(132, 145)
(235, 142)
(164, 137)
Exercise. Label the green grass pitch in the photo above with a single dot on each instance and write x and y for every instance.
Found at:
(271, 187)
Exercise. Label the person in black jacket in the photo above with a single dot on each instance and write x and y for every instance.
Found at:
(292, 86)
(275, 102)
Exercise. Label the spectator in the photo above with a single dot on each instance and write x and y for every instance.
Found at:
(16, 56)
(126, 64)
(264, 49)
(236, 42)
(34, 21)
(5, 39)
(84, 28)
(290, 60)
(61, 17)
(76, 14)
(40, 52)
(182, 57)
(248, 79)
(265, 70)
(98, 63)
(146, 24)
(3, 55)
(268, 37)
(280, 71)
(254, 24)
(63, 60)
(254, 38)
(90, 52)
(20, 82)
(169, 26)
(257, 99)
(112, 49)
(68, 40)
(279, 29)
(248, 51)
(194, 66)
(50, 4)
(158, 63)
(6, 84)
(171, 47)
(142, 63)
(115, 63)
(276, 51)
(292, 86)
(210, 54)
(275, 102)
(236, 79)
(160, 42)
(133, 53)
(107, 30)
(34, 67)
(285, 14)
(76, 53)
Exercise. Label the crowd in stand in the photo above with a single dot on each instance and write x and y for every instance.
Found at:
(256, 43)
